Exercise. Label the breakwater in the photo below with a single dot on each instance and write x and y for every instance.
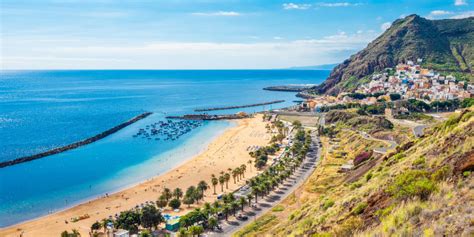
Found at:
(288, 88)
(76, 144)
(209, 117)
(239, 106)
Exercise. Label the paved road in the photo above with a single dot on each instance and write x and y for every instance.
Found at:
(284, 190)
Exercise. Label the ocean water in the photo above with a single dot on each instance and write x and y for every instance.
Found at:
(40, 110)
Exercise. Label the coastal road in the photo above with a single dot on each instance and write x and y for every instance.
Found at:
(284, 190)
(380, 150)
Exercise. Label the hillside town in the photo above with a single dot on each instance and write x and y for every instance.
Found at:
(412, 81)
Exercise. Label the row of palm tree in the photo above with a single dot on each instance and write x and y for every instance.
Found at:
(237, 174)
(261, 186)
(174, 198)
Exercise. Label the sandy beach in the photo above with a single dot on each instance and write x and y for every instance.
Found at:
(229, 150)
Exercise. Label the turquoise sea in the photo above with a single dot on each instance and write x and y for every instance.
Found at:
(40, 110)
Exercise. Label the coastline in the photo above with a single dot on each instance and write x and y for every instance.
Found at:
(227, 150)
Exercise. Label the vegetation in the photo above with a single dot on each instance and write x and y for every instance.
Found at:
(261, 154)
(424, 187)
(74, 233)
(414, 183)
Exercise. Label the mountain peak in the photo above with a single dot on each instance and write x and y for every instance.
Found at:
(443, 45)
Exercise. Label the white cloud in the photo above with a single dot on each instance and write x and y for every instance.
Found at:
(440, 12)
(385, 26)
(181, 55)
(218, 13)
(277, 38)
(460, 2)
(463, 15)
(293, 6)
(338, 4)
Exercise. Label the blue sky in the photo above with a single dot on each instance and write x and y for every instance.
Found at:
(206, 34)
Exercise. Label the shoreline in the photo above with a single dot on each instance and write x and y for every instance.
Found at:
(123, 188)
(226, 150)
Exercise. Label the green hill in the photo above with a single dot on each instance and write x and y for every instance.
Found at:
(444, 45)
(423, 187)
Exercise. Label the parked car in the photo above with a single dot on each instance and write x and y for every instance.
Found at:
(242, 217)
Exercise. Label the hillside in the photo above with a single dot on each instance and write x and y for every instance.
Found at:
(421, 188)
(444, 45)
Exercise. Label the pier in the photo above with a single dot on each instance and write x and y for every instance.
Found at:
(76, 144)
(239, 106)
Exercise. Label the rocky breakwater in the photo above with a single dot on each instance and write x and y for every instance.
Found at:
(240, 115)
(76, 144)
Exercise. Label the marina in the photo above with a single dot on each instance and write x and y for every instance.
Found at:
(167, 130)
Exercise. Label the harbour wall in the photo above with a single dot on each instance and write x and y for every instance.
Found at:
(76, 144)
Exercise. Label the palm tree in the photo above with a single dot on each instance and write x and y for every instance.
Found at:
(249, 198)
(250, 164)
(167, 194)
(178, 193)
(234, 206)
(203, 187)
(255, 193)
(226, 211)
(104, 223)
(221, 182)
(227, 178)
(234, 174)
(214, 182)
(242, 202)
(212, 223)
(243, 167)
(207, 206)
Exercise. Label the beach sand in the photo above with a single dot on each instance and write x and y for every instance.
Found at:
(229, 150)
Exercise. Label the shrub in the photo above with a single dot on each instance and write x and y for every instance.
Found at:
(442, 173)
(466, 173)
(414, 183)
(368, 176)
(385, 212)
(327, 204)
(361, 157)
(355, 185)
(359, 209)
(399, 156)
(419, 162)
(278, 208)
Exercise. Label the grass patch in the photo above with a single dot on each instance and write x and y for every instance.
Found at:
(278, 208)
(256, 226)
